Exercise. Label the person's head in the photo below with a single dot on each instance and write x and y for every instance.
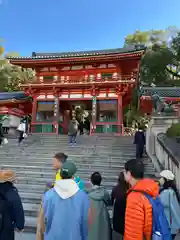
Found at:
(68, 170)
(140, 128)
(122, 180)
(167, 180)
(58, 160)
(96, 179)
(7, 176)
(134, 171)
(123, 185)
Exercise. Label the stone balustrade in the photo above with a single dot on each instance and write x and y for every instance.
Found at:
(168, 155)
(163, 152)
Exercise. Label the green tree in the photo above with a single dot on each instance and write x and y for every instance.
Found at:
(17, 76)
(159, 64)
(12, 76)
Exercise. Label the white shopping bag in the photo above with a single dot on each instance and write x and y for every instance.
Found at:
(24, 135)
(5, 141)
(21, 127)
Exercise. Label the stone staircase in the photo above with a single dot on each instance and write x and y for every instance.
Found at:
(33, 164)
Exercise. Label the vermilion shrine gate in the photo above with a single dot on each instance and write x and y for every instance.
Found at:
(100, 82)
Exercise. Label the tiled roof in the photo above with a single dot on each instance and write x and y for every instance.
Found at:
(35, 55)
(161, 91)
(13, 95)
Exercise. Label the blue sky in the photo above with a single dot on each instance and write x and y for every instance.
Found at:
(73, 25)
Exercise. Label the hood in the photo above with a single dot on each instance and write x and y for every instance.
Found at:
(66, 188)
(5, 187)
(97, 193)
(148, 186)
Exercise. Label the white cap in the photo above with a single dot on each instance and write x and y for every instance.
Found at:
(167, 174)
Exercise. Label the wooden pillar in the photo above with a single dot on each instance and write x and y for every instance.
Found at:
(120, 114)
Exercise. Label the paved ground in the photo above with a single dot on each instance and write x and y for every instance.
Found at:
(25, 236)
(28, 236)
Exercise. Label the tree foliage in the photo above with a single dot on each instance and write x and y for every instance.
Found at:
(160, 64)
(12, 76)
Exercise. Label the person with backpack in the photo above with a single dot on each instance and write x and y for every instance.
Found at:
(145, 217)
(170, 199)
(118, 198)
(11, 209)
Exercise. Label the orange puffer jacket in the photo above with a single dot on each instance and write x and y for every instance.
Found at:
(138, 220)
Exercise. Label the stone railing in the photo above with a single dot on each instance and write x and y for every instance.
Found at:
(168, 154)
(164, 152)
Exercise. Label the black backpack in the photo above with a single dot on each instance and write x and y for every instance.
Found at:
(6, 226)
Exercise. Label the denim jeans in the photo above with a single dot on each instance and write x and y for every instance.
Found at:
(72, 138)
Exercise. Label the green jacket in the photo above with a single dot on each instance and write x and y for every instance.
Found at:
(100, 227)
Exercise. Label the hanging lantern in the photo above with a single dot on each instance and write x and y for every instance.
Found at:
(55, 78)
(86, 77)
(91, 77)
(115, 75)
(41, 79)
(99, 76)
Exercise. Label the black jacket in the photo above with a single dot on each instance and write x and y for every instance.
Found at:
(118, 197)
(10, 193)
(1, 131)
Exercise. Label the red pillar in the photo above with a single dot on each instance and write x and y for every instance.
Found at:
(120, 114)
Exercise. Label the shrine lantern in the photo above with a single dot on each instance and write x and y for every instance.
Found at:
(99, 76)
(86, 77)
(41, 79)
(91, 77)
(115, 75)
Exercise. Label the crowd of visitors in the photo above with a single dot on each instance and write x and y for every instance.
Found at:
(142, 208)
(74, 210)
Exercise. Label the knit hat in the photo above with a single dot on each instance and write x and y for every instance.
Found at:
(7, 176)
(167, 174)
(68, 169)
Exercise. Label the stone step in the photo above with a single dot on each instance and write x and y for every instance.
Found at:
(83, 167)
(79, 161)
(30, 224)
(32, 163)
(105, 172)
(85, 177)
(65, 148)
(31, 209)
(73, 155)
(40, 187)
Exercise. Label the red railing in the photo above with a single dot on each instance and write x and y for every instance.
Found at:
(89, 79)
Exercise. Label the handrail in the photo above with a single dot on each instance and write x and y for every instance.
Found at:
(172, 150)
(167, 157)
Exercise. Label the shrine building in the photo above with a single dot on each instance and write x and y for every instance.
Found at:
(97, 84)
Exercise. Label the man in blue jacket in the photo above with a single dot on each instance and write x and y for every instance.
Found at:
(64, 212)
